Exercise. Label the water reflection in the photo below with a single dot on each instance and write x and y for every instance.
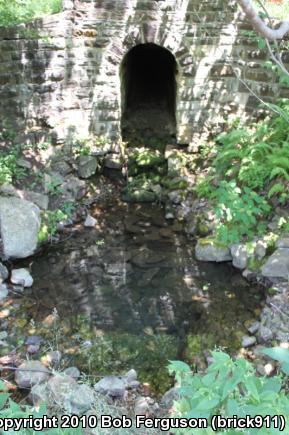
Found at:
(135, 276)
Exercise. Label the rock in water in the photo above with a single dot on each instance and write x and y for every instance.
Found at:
(240, 256)
(22, 277)
(31, 373)
(210, 250)
(19, 226)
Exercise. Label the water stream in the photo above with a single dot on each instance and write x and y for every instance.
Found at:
(129, 293)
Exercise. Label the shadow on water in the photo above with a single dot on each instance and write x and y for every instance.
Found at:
(129, 293)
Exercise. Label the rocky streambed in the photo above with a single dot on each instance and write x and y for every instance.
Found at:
(123, 290)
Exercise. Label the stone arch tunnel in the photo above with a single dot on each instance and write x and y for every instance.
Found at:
(149, 90)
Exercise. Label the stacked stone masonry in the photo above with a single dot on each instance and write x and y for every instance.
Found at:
(61, 75)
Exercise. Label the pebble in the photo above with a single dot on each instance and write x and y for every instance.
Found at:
(253, 328)
(22, 276)
(90, 222)
(248, 341)
(34, 340)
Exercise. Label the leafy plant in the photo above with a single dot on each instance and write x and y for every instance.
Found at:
(238, 212)
(53, 186)
(228, 388)
(20, 11)
(52, 219)
(9, 169)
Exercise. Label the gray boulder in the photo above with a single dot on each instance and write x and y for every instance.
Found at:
(283, 242)
(19, 227)
(277, 265)
(209, 250)
(113, 386)
(31, 373)
(87, 166)
(240, 256)
(22, 277)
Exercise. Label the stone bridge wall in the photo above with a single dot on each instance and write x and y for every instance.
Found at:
(61, 74)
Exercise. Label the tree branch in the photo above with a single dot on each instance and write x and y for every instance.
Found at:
(260, 26)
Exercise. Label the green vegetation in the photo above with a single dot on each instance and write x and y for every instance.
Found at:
(231, 388)
(9, 169)
(21, 11)
(249, 172)
(51, 219)
(277, 9)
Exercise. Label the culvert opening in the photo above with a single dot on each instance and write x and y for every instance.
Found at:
(149, 88)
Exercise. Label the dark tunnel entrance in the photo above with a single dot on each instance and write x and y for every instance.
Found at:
(149, 90)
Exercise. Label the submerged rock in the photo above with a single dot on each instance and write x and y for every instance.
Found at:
(277, 266)
(19, 227)
(210, 250)
(22, 277)
(31, 373)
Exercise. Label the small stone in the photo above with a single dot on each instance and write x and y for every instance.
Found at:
(264, 334)
(248, 341)
(260, 249)
(169, 397)
(73, 372)
(3, 335)
(34, 340)
(142, 406)
(33, 349)
(54, 357)
(31, 373)
(113, 162)
(59, 387)
(38, 394)
(112, 386)
(131, 376)
(81, 399)
(253, 328)
(240, 256)
(87, 166)
(269, 369)
(22, 277)
(90, 222)
(3, 291)
(3, 272)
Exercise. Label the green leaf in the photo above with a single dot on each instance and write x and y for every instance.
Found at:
(277, 353)
(179, 366)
